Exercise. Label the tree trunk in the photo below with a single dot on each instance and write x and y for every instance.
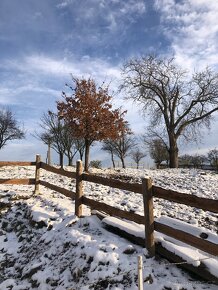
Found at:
(158, 165)
(173, 152)
(137, 165)
(81, 152)
(70, 161)
(87, 150)
(61, 158)
(112, 159)
(123, 162)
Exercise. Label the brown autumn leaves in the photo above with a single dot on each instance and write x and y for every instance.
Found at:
(89, 114)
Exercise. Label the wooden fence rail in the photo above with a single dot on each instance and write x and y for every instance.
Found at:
(62, 190)
(108, 209)
(134, 187)
(20, 181)
(17, 163)
(187, 238)
(187, 199)
(60, 171)
(147, 190)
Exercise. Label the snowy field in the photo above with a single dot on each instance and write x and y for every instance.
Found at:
(44, 246)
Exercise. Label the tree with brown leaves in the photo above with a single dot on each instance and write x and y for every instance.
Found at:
(89, 113)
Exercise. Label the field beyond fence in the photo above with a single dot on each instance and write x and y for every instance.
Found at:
(145, 188)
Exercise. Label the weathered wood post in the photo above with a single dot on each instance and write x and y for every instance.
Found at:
(79, 189)
(37, 173)
(149, 215)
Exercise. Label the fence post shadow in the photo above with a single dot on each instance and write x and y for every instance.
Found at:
(37, 174)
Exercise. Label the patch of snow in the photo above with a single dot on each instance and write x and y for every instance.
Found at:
(72, 253)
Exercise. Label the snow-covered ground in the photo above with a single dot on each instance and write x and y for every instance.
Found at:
(44, 246)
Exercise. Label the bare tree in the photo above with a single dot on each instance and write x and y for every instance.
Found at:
(9, 128)
(183, 104)
(54, 134)
(47, 139)
(108, 146)
(185, 161)
(158, 152)
(197, 160)
(137, 155)
(213, 158)
(122, 146)
(80, 146)
(155, 141)
(58, 135)
(69, 143)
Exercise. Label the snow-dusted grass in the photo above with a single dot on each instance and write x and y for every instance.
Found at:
(44, 246)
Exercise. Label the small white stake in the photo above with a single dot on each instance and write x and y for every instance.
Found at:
(140, 273)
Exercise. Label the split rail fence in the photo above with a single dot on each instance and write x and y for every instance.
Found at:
(146, 189)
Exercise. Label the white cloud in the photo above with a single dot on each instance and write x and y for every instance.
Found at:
(37, 65)
(9, 95)
(22, 150)
(45, 65)
(192, 27)
(133, 7)
(106, 15)
(63, 4)
(42, 78)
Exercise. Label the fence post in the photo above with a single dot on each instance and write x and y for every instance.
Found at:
(79, 189)
(140, 273)
(149, 215)
(37, 173)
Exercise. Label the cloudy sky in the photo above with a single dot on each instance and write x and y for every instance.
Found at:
(42, 42)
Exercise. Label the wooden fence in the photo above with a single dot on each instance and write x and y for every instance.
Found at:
(147, 190)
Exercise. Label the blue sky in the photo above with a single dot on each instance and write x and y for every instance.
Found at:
(42, 42)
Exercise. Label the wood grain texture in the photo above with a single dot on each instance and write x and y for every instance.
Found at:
(20, 181)
(187, 199)
(149, 215)
(16, 163)
(113, 211)
(134, 187)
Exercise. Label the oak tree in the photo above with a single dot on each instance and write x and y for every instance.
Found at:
(181, 103)
(88, 111)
